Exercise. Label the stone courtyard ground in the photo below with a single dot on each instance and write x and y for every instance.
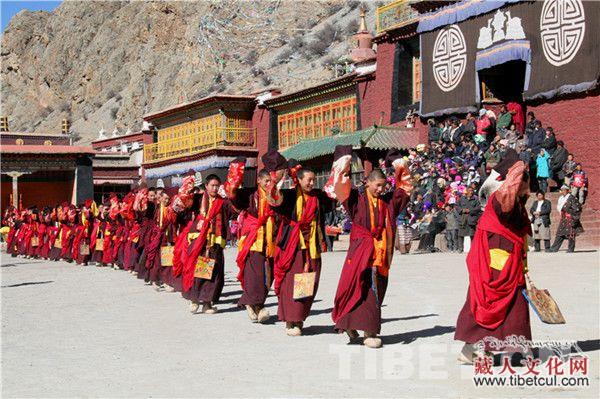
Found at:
(71, 331)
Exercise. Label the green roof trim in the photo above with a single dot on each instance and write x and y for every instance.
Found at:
(374, 137)
(309, 149)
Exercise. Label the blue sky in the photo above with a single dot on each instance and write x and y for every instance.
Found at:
(8, 8)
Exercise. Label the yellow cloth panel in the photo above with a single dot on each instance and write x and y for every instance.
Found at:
(498, 258)
(314, 254)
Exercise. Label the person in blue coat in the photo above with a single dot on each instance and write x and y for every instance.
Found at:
(543, 170)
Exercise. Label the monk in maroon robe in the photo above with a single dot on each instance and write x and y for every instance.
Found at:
(300, 241)
(61, 244)
(68, 237)
(182, 209)
(32, 238)
(11, 220)
(108, 252)
(24, 233)
(256, 247)
(46, 230)
(160, 234)
(497, 261)
(98, 233)
(81, 244)
(53, 233)
(144, 205)
(130, 250)
(364, 278)
(207, 237)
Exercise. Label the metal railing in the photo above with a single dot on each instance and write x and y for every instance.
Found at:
(196, 143)
(395, 15)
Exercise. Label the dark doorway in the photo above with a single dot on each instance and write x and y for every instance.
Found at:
(505, 81)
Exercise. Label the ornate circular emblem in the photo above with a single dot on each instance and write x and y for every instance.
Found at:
(449, 58)
(19, 141)
(48, 142)
(562, 27)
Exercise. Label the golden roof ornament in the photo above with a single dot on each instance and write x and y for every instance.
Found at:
(363, 21)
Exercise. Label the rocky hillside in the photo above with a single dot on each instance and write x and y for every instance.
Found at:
(105, 64)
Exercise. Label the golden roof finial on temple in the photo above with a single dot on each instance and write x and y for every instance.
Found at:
(364, 42)
(363, 21)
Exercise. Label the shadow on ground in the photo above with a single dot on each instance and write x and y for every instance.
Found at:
(27, 283)
(408, 337)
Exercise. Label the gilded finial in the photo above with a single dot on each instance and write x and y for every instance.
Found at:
(363, 22)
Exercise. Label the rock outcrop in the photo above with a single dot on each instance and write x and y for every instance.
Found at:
(105, 64)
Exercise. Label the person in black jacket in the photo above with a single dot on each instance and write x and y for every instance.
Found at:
(469, 209)
(530, 127)
(558, 159)
(570, 221)
(536, 137)
(469, 127)
(549, 143)
(456, 131)
(540, 214)
(434, 131)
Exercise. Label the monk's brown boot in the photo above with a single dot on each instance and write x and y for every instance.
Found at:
(263, 315)
(251, 313)
(372, 341)
(208, 308)
(353, 336)
(194, 306)
(293, 330)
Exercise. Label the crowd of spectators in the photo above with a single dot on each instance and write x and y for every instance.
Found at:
(459, 156)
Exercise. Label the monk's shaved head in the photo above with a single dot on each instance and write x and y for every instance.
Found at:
(375, 183)
(376, 174)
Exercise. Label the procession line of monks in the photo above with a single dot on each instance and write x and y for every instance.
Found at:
(174, 239)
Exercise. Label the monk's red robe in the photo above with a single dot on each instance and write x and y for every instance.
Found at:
(68, 233)
(132, 231)
(290, 256)
(256, 247)
(24, 232)
(206, 237)
(11, 239)
(160, 234)
(43, 238)
(32, 232)
(49, 239)
(56, 244)
(53, 231)
(119, 241)
(82, 236)
(363, 281)
(145, 227)
(495, 306)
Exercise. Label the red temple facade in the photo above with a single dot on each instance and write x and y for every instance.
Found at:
(118, 161)
(43, 169)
